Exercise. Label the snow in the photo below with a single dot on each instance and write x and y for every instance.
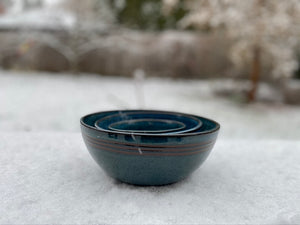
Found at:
(55, 102)
(49, 178)
(51, 16)
(47, 18)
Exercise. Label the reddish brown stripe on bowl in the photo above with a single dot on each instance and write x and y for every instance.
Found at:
(149, 145)
(127, 147)
(141, 152)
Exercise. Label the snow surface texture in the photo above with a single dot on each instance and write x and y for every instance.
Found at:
(55, 102)
(47, 175)
(49, 178)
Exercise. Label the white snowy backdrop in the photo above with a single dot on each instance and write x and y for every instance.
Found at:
(38, 102)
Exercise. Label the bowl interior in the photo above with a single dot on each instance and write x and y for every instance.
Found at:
(185, 123)
(206, 126)
(146, 125)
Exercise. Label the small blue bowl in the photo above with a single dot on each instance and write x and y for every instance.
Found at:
(146, 126)
(145, 158)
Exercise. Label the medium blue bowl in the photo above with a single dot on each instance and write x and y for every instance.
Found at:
(148, 159)
(190, 122)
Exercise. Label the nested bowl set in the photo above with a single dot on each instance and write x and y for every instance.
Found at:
(148, 147)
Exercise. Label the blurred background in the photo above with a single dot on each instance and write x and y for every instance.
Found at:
(233, 61)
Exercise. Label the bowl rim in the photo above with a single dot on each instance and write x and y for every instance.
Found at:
(151, 134)
(198, 122)
(170, 130)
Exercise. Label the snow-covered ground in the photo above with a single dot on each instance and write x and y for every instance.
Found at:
(47, 176)
(36, 102)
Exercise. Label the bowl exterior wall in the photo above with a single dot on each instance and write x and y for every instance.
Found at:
(144, 160)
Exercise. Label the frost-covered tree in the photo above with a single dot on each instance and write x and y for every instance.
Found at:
(88, 11)
(258, 28)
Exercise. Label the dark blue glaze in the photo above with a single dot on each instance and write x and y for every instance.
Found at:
(148, 159)
(191, 123)
(145, 125)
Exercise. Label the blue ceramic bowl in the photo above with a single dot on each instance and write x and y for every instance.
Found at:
(189, 122)
(146, 126)
(148, 159)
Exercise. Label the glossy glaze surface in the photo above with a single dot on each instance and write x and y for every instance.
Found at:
(191, 123)
(146, 125)
(148, 159)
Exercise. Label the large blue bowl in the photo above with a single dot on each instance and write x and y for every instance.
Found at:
(148, 159)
